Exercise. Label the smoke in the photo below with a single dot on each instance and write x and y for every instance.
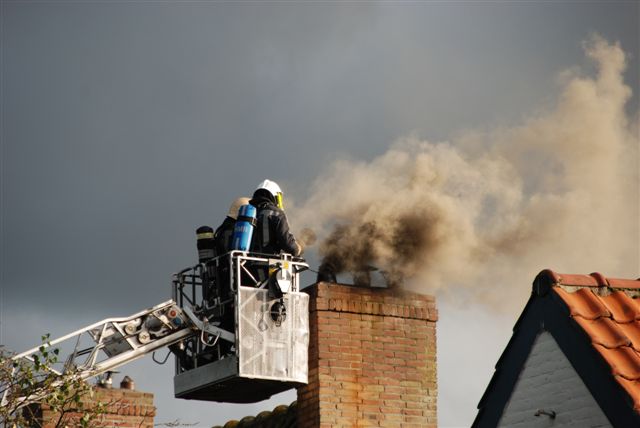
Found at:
(487, 211)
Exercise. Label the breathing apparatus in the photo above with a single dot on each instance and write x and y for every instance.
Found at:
(243, 230)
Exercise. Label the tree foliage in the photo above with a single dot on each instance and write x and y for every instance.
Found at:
(30, 385)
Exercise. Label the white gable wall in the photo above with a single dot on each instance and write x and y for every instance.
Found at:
(548, 381)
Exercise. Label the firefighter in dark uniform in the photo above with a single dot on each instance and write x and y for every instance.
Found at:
(223, 238)
(272, 235)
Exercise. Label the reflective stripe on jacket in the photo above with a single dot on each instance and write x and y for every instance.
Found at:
(272, 233)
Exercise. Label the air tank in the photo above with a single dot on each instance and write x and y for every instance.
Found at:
(206, 245)
(243, 231)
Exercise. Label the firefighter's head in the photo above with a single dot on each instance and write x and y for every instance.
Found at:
(235, 206)
(274, 190)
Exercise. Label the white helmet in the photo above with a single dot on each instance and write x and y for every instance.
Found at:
(273, 188)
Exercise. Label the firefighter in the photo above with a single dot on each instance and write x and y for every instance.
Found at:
(272, 234)
(223, 238)
(224, 233)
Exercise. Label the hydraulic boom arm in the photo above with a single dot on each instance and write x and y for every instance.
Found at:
(110, 343)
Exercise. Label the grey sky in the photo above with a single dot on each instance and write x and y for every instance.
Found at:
(125, 125)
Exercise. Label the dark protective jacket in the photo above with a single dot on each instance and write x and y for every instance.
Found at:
(271, 234)
(223, 237)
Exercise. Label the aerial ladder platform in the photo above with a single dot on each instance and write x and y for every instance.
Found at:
(237, 325)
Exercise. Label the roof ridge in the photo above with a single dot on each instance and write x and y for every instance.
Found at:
(547, 278)
(267, 418)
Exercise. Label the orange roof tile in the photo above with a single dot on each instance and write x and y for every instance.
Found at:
(604, 332)
(632, 387)
(624, 361)
(623, 309)
(583, 280)
(583, 303)
(632, 331)
(608, 311)
(281, 417)
(623, 283)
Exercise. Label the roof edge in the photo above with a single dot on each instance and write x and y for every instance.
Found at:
(544, 281)
(547, 278)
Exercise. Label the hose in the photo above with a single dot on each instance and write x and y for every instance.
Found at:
(153, 357)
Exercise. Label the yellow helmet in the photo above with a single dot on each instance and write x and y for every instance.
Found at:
(235, 206)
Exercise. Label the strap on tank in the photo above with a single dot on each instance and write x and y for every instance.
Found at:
(248, 219)
(266, 238)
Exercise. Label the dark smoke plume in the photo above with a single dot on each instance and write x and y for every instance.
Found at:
(489, 210)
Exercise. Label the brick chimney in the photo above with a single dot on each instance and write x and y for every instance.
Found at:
(372, 359)
(123, 407)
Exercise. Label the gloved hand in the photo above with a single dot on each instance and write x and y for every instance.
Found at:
(307, 237)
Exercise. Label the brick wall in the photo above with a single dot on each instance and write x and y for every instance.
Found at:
(372, 359)
(123, 408)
